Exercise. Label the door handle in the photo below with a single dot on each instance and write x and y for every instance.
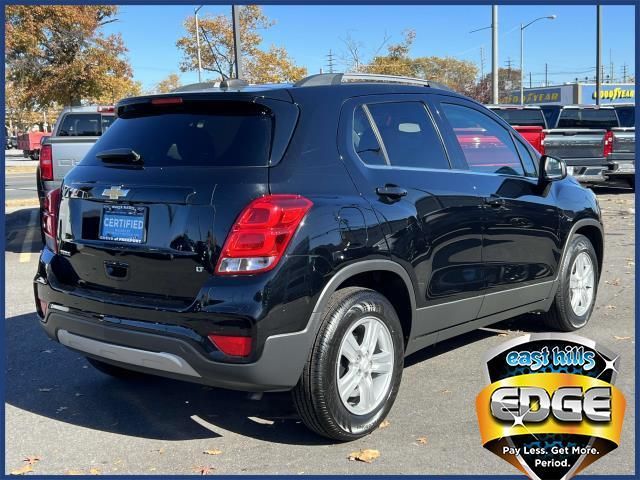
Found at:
(391, 191)
(494, 201)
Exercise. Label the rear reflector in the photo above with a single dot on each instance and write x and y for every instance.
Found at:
(261, 234)
(50, 211)
(46, 162)
(166, 100)
(43, 307)
(233, 346)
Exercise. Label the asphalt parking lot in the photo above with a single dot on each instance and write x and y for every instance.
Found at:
(74, 419)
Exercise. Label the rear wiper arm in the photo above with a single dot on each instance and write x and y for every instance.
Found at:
(120, 155)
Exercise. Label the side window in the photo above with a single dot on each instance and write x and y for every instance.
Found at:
(408, 134)
(528, 160)
(486, 145)
(365, 142)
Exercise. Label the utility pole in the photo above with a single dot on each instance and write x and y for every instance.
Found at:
(330, 61)
(624, 73)
(598, 52)
(610, 67)
(237, 44)
(198, 44)
(494, 54)
(530, 81)
(546, 74)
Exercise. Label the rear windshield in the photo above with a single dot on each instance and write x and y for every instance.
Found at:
(524, 117)
(220, 135)
(588, 118)
(85, 124)
(627, 116)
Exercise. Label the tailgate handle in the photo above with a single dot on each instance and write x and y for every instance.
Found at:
(116, 270)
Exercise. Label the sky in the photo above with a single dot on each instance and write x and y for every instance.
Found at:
(566, 44)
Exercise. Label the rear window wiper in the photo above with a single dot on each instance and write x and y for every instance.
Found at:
(120, 155)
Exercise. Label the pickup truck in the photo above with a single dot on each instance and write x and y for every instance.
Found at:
(74, 133)
(593, 143)
(528, 121)
(621, 155)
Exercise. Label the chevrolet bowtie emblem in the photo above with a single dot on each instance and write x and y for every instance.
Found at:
(114, 193)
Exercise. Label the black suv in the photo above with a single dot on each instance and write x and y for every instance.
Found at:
(308, 237)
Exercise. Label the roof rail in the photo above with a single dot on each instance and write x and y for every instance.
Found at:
(227, 83)
(338, 78)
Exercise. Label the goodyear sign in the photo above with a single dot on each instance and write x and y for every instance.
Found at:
(609, 93)
(558, 95)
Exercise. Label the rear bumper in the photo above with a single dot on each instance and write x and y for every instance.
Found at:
(621, 164)
(109, 340)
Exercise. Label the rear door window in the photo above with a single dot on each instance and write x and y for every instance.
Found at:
(408, 135)
(486, 145)
(588, 118)
(206, 134)
(365, 142)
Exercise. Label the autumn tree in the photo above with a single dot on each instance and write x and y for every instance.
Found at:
(396, 61)
(458, 75)
(57, 54)
(508, 82)
(217, 48)
(171, 82)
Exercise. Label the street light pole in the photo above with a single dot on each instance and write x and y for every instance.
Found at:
(494, 55)
(198, 44)
(598, 53)
(522, 27)
(237, 45)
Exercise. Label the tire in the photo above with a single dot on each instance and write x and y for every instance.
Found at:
(351, 312)
(563, 315)
(113, 371)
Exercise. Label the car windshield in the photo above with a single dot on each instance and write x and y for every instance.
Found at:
(526, 117)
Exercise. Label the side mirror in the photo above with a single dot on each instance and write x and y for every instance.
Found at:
(551, 169)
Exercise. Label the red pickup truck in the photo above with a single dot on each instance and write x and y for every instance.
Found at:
(528, 121)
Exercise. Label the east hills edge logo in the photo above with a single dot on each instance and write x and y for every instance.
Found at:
(550, 408)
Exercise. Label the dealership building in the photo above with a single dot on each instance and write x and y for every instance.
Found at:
(575, 93)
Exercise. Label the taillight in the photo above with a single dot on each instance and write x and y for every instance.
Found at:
(233, 346)
(50, 212)
(608, 144)
(46, 162)
(261, 234)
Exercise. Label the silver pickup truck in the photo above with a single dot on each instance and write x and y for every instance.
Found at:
(594, 143)
(621, 155)
(74, 133)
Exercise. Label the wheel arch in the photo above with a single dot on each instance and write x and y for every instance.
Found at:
(592, 229)
(384, 276)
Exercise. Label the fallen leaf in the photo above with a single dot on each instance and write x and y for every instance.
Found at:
(621, 338)
(385, 424)
(203, 470)
(215, 451)
(422, 440)
(159, 450)
(367, 455)
(94, 471)
(445, 391)
(22, 470)
(32, 459)
(74, 472)
(611, 307)
(615, 282)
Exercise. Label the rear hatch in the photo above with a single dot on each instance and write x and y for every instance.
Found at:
(145, 214)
